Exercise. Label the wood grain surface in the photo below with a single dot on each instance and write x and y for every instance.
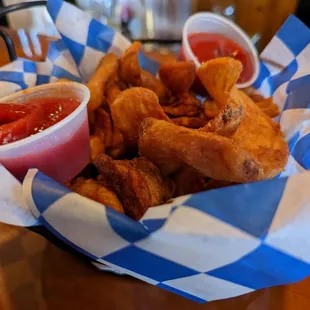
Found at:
(36, 275)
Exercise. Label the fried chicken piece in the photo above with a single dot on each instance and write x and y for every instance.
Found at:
(219, 84)
(161, 190)
(187, 181)
(261, 137)
(228, 121)
(257, 134)
(251, 92)
(96, 146)
(269, 107)
(131, 107)
(170, 147)
(265, 104)
(189, 122)
(184, 105)
(219, 76)
(129, 68)
(117, 148)
(103, 126)
(151, 82)
(178, 77)
(181, 110)
(211, 108)
(110, 135)
(128, 184)
(114, 87)
(131, 72)
(215, 184)
(137, 182)
(96, 191)
(107, 67)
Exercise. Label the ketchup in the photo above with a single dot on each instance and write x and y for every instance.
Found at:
(60, 154)
(18, 121)
(208, 46)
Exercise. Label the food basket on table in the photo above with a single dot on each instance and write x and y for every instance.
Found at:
(196, 245)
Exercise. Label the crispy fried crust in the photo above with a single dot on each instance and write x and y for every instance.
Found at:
(159, 190)
(96, 146)
(228, 121)
(96, 191)
(113, 88)
(187, 181)
(211, 109)
(218, 76)
(117, 148)
(131, 73)
(128, 184)
(169, 147)
(131, 107)
(151, 82)
(189, 122)
(103, 126)
(138, 183)
(107, 67)
(257, 134)
(129, 68)
(269, 107)
(178, 77)
(183, 105)
(215, 184)
(261, 137)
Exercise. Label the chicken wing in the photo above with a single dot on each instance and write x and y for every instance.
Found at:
(113, 88)
(187, 181)
(219, 76)
(131, 73)
(97, 191)
(96, 146)
(170, 147)
(106, 69)
(129, 68)
(183, 105)
(103, 126)
(190, 122)
(151, 82)
(257, 134)
(178, 77)
(227, 121)
(268, 107)
(138, 183)
(131, 107)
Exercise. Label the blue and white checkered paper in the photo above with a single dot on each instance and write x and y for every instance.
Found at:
(207, 246)
(23, 73)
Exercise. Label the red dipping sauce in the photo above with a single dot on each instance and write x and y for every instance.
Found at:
(19, 121)
(206, 46)
(27, 141)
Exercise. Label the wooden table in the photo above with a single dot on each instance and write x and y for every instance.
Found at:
(35, 275)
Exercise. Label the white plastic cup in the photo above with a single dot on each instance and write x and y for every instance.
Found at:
(60, 151)
(213, 23)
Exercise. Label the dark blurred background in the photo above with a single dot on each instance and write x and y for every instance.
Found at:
(163, 19)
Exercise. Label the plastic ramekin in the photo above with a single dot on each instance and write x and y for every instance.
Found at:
(60, 151)
(213, 23)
